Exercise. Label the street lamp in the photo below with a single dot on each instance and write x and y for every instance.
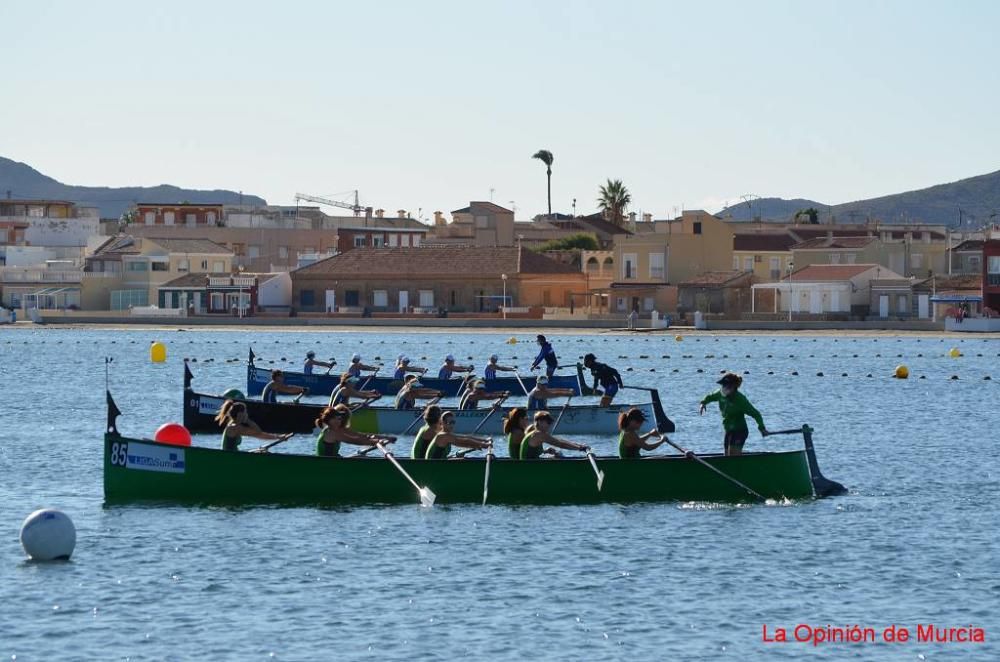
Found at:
(503, 277)
(789, 267)
(240, 302)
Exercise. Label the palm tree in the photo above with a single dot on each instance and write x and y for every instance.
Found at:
(545, 156)
(614, 200)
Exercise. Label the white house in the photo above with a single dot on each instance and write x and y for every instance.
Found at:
(825, 288)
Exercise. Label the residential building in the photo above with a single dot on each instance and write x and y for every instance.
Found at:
(724, 293)
(57, 224)
(766, 255)
(966, 258)
(241, 294)
(127, 271)
(432, 277)
(991, 272)
(906, 251)
(186, 214)
(842, 290)
(480, 224)
(544, 228)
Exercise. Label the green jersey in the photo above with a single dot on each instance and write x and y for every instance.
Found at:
(231, 442)
(435, 452)
(735, 408)
(514, 447)
(326, 448)
(420, 443)
(625, 451)
(529, 452)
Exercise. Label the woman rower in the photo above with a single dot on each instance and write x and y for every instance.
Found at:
(493, 367)
(449, 368)
(335, 423)
(514, 426)
(630, 442)
(357, 366)
(440, 446)
(403, 368)
(539, 396)
(349, 389)
(233, 415)
(734, 407)
(412, 391)
(532, 446)
(277, 385)
(432, 416)
(477, 393)
(311, 362)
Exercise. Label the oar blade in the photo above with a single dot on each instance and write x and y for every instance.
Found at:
(427, 497)
(600, 480)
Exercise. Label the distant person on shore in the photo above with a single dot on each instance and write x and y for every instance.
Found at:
(234, 416)
(606, 376)
(478, 393)
(440, 447)
(357, 366)
(432, 417)
(311, 362)
(734, 407)
(493, 367)
(514, 427)
(404, 368)
(348, 389)
(335, 425)
(450, 368)
(533, 444)
(412, 391)
(630, 442)
(277, 385)
(547, 354)
(538, 398)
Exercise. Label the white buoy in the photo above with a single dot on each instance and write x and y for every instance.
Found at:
(48, 535)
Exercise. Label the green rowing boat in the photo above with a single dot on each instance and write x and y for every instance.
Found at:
(137, 470)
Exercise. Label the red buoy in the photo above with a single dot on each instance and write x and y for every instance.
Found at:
(174, 434)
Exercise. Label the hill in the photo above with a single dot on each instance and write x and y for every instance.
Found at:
(978, 198)
(23, 181)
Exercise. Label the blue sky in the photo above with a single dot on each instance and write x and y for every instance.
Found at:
(427, 105)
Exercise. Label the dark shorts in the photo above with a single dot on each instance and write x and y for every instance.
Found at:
(611, 389)
(735, 439)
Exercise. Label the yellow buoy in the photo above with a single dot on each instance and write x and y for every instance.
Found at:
(157, 352)
(902, 372)
(512, 340)
(678, 338)
(954, 352)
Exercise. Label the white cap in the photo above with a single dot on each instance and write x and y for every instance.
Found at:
(400, 357)
(494, 357)
(449, 358)
(542, 379)
(355, 357)
(404, 359)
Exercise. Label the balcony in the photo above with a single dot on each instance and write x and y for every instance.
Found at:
(993, 280)
(38, 275)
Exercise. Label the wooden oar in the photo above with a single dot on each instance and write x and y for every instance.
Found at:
(364, 404)
(721, 473)
(370, 377)
(266, 447)
(493, 409)
(792, 431)
(600, 474)
(486, 478)
(559, 417)
(426, 496)
(333, 362)
(521, 382)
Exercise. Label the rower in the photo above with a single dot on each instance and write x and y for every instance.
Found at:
(234, 416)
(514, 426)
(449, 368)
(630, 442)
(403, 367)
(734, 407)
(493, 367)
(533, 444)
(311, 362)
(335, 426)
(547, 354)
(412, 391)
(440, 446)
(357, 366)
(348, 389)
(607, 376)
(432, 416)
(539, 396)
(478, 392)
(277, 385)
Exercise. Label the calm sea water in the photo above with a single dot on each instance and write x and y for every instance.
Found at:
(915, 541)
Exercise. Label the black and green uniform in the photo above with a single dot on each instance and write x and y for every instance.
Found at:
(435, 452)
(734, 408)
(326, 448)
(230, 443)
(420, 444)
(626, 452)
(529, 452)
(514, 448)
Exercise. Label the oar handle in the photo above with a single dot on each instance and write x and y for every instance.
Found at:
(791, 431)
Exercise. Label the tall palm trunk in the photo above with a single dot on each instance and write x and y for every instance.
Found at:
(548, 172)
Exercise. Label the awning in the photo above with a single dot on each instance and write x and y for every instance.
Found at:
(956, 298)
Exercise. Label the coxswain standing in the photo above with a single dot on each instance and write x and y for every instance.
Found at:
(606, 376)
(547, 354)
(734, 407)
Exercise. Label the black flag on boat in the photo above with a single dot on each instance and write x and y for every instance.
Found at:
(252, 355)
(113, 413)
(187, 376)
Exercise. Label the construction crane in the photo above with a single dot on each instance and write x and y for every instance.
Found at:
(356, 207)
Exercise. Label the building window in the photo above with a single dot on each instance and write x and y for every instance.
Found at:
(253, 251)
(283, 252)
(204, 266)
(307, 250)
(136, 266)
(351, 298)
(237, 249)
(307, 298)
(161, 266)
(697, 227)
(393, 239)
(378, 242)
(426, 298)
(380, 298)
(629, 266)
(218, 267)
(482, 222)
(168, 218)
(415, 240)
(150, 217)
(217, 301)
(35, 211)
(775, 267)
(359, 241)
(902, 304)
(916, 260)
(748, 263)
(975, 265)
(211, 216)
(190, 219)
(620, 304)
(851, 257)
(183, 266)
(656, 268)
(834, 258)
(736, 263)
(647, 304)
